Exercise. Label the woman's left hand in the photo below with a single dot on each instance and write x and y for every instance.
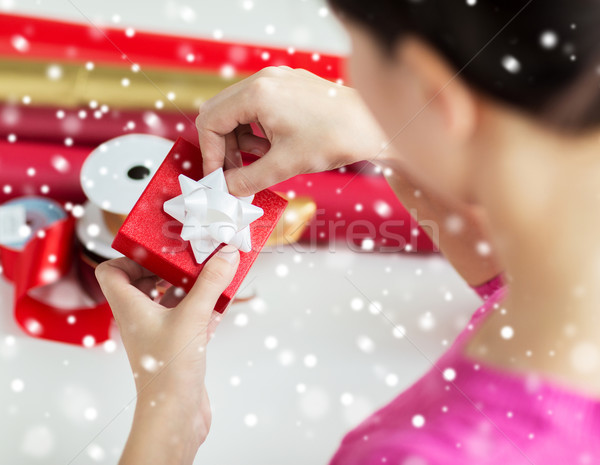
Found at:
(166, 346)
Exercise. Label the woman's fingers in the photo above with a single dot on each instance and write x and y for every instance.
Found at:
(248, 142)
(219, 117)
(172, 297)
(116, 278)
(259, 175)
(213, 280)
(215, 319)
(233, 157)
(147, 285)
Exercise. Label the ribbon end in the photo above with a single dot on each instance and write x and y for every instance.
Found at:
(215, 180)
(176, 208)
(249, 213)
(187, 185)
(242, 240)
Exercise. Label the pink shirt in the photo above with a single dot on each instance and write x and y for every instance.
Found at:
(477, 414)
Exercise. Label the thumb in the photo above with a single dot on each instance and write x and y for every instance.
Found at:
(259, 175)
(214, 278)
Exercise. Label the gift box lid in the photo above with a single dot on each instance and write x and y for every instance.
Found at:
(152, 238)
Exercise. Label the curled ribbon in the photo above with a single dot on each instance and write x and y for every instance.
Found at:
(211, 215)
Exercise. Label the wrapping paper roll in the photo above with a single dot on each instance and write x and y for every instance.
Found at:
(34, 38)
(109, 85)
(360, 210)
(41, 124)
(27, 168)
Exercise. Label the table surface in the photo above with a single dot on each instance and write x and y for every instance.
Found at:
(338, 308)
(331, 306)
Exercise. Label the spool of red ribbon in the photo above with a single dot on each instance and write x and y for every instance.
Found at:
(44, 257)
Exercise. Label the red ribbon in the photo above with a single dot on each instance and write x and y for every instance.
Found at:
(44, 260)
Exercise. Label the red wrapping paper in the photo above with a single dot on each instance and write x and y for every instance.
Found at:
(152, 238)
(79, 43)
(357, 209)
(26, 167)
(40, 124)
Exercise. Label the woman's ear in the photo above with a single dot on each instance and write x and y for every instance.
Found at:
(442, 88)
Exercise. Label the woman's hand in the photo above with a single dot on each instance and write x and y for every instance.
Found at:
(166, 346)
(310, 125)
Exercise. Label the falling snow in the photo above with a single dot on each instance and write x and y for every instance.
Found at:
(449, 374)
(365, 344)
(251, 420)
(149, 363)
(511, 64)
(17, 385)
(418, 421)
(549, 40)
(38, 442)
(357, 304)
(507, 332)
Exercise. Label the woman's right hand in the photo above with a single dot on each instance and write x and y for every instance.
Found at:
(310, 125)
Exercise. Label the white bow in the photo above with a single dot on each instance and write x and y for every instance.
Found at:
(211, 215)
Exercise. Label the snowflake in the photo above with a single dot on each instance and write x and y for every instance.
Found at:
(548, 40)
(271, 342)
(90, 414)
(54, 72)
(391, 379)
(511, 64)
(282, 270)
(507, 332)
(250, 420)
(418, 421)
(310, 360)
(366, 344)
(449, 374)
(17, 385)
(346, 398)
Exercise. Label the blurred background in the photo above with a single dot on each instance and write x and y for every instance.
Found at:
(329, 326)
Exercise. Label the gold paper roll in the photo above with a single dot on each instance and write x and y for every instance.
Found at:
(294, 220)
(67, 85)
(113, 221)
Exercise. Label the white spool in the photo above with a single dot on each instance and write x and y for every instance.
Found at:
(93, 233)
(116, 173)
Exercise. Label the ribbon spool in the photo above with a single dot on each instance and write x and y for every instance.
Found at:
(113, 178)
(22, 219)
(26, 216)
(40, 258)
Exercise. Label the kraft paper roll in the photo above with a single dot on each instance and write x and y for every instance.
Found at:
(113, 221)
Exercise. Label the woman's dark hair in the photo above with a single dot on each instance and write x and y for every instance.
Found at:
(542, 56)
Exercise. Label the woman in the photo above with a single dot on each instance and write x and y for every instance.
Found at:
(486, 118)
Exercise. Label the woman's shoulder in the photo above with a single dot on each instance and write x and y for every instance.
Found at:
(463, 412)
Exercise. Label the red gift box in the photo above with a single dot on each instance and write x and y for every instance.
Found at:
(151, 237)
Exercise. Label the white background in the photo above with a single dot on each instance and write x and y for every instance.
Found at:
(72, 406)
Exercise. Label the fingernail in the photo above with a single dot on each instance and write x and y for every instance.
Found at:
(228, 253)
